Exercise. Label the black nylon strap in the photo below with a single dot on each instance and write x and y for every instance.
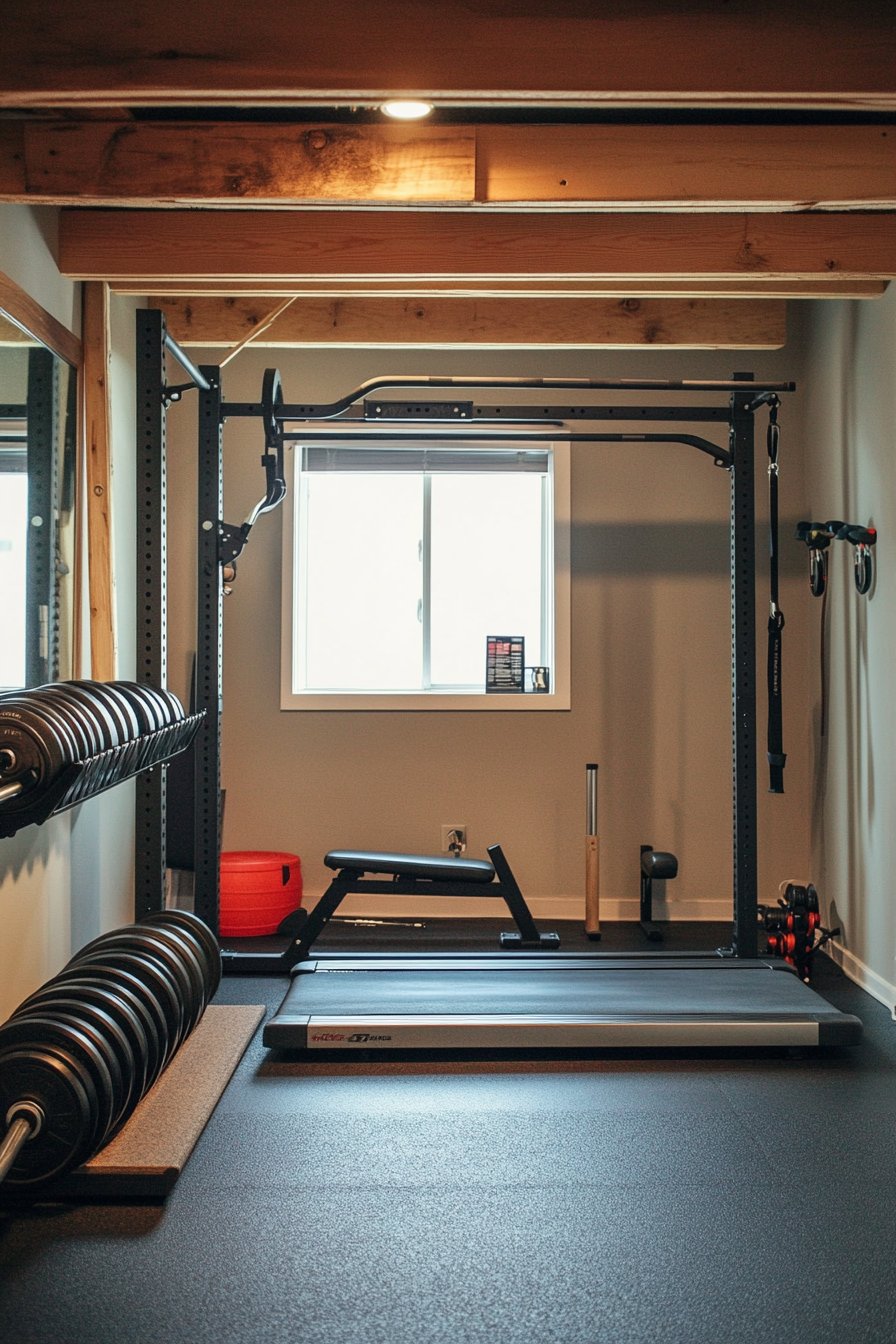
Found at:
(776, 755)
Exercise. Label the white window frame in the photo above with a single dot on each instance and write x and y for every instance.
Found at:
(557, 699)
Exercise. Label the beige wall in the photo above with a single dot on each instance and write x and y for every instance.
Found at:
(851, 413)
(650, 665)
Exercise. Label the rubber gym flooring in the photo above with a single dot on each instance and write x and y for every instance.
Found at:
(695, 1199)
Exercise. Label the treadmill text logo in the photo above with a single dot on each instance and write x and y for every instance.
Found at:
(329, 1036)
(365, 1036)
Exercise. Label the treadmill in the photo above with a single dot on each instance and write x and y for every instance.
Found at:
(529, 1002)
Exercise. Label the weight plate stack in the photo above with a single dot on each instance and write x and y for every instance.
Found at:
(79, 1054)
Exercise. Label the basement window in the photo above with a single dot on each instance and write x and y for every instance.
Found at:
(400, 560)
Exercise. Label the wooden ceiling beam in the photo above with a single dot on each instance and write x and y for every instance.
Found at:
(694, 324)
(552, 288)
(753, 53)
(225, 163)
(585, 167)
(140, 245)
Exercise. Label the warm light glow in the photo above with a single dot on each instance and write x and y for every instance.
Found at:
(406, 109)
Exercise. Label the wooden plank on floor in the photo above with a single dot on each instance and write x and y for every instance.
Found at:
(708, 324)
(256, 244)
(778, 53)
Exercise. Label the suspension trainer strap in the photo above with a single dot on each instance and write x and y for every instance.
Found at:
(776, 755)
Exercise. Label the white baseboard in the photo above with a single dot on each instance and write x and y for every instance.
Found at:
(863, 976)
(542, 907)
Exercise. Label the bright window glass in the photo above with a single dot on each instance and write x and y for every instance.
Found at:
(360, 582)
(400, 576)
(486, 571)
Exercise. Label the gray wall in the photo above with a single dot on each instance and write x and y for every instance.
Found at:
(650, 665)
(851, 413)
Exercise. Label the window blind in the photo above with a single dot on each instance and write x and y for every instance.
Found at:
(420, 459)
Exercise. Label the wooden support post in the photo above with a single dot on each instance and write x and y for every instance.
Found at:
(98, 454)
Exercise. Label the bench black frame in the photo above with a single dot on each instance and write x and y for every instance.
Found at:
(429, 421)
(352, 880)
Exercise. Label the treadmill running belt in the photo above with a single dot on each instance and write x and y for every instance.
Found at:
(335, 1005)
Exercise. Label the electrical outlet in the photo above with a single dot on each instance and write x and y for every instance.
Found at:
(454, 840)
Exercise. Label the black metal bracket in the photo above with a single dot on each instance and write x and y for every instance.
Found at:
(231, 542)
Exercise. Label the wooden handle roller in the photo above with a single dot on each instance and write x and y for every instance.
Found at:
(592, 858)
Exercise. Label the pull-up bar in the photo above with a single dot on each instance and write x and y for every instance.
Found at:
(322, 412)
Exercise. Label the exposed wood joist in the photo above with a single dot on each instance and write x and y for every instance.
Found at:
(129, 163)
(145, 245)
(751, 53)
(149, 163)
(97, 437)
(708, 324)
(36, 321)
(517, 288)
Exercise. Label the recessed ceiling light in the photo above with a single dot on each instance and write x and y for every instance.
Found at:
(406, 109)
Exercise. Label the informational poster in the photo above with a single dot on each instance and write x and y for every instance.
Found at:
(504, 663)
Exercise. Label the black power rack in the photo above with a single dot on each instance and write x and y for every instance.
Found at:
(454, 421)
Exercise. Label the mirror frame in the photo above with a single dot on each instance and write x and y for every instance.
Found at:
(26, 313)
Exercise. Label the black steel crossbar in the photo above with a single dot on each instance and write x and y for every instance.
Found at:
(720, 456)
(293, 412)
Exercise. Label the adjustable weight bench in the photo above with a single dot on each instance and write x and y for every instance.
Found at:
(415, 875)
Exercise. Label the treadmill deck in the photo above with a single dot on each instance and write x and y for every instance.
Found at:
(538, 1001)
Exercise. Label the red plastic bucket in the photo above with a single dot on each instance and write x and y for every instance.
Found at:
(258, 888)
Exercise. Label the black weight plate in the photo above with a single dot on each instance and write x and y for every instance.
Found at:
(183, 965)
(140, 938)
(190, 957)
(104, 727)
(176, 712)
(139, 996)
(126, 712)
(37, 1032)
(158, 979)
(111, 1002)
(103, 1025)
(192, 924)
(81, 716)
(54, 741)
(107, 705)
(145, 703)
(101, 1031)
(53, 1080)
(165, 710)
(42, 704)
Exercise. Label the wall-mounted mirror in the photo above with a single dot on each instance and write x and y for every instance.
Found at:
(38, 488)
